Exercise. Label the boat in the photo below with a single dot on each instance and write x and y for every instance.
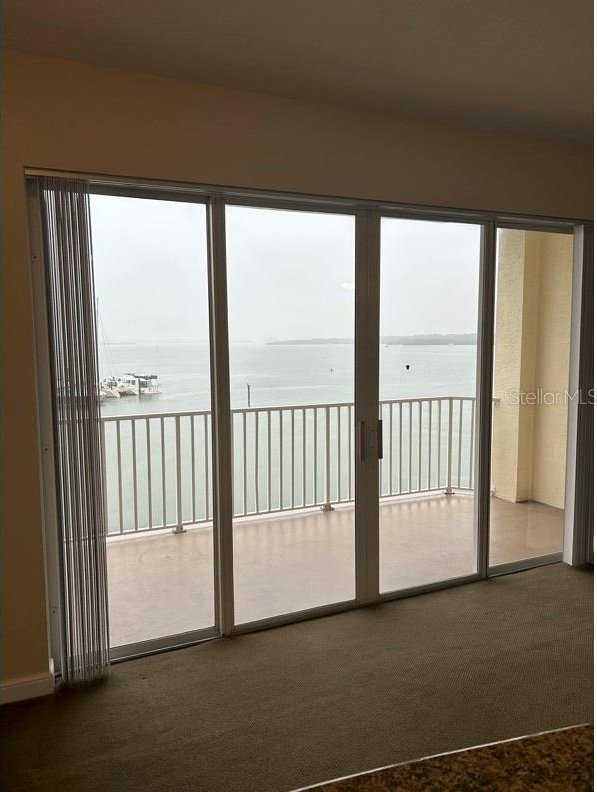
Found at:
(127, 386)
(108, 393)
(145, 384)
(148, 384)
(109, 388)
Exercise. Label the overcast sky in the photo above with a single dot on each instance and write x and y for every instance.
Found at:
(290, 274)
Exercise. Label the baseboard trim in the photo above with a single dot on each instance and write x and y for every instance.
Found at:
(27, 688)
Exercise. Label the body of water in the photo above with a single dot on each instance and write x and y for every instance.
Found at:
(280, 460)
(283, 374)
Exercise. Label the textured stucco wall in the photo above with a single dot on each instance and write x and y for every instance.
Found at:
(553, 362)
(507, 363)
(531, 287)
(532, 353)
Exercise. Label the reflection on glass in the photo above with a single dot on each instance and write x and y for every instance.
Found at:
(428, 327)
(291, 326)
(530, 406)
(151, 288)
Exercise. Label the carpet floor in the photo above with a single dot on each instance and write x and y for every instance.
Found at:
(297, 705)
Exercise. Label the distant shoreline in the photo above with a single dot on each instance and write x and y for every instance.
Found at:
(448, 339)
(434, 339)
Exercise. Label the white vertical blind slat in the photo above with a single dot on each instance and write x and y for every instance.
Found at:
(74, 364)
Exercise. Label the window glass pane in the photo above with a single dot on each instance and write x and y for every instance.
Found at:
(152, 306)
(428, 354)
(291, 326)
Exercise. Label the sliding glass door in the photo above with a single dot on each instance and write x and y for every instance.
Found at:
(429, 289)
(291, 316)
(296, 406)
(150, 260)
(531, 375)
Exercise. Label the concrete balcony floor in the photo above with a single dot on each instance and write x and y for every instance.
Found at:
(162, 584)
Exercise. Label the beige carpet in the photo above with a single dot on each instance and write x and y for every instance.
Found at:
(297, 705)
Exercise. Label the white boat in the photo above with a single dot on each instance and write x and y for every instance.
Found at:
(127, 386)
(109, 388)
(147, 384)
(109, 393)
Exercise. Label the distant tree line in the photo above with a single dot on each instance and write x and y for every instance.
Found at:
(433, 339)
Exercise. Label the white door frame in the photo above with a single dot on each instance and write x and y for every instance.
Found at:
(578, 523)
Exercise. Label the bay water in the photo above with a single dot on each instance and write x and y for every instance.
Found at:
(278, 375)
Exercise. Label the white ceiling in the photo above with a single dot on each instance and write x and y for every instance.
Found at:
(514, 65)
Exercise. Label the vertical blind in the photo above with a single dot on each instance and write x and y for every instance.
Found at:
(68, 262)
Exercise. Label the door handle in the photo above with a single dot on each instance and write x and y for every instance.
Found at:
(362, 441)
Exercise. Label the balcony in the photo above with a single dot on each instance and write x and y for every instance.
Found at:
(294, 510)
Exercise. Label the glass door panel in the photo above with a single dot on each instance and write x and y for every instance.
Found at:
(530, 388)
(150, 259)
(429, 283)
(290, 281)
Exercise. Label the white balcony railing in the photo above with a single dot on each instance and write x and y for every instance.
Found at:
(158, 466)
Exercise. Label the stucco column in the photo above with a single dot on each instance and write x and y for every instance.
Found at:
(514, 363)
(532, 346)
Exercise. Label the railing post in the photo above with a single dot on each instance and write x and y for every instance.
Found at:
(119, 464)
(148, 449)
(449, 490)
(104, 473)
(327, 506)
(178, 528)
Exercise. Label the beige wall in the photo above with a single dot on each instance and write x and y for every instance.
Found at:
(530, 295)
(532, 354)
(66, 115)
(553, 363)
(507, 369)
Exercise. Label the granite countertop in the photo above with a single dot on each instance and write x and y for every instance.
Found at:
(558, 760)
